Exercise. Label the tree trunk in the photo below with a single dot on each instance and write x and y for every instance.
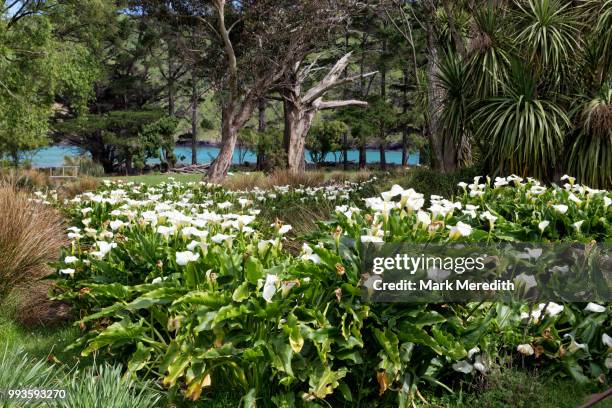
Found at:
(457, 40)
(404, 148)
(405, 125)
(362, 154)
(194, 121)
(383, 72)
(362, 83)
(300, 107)
(128, 165)
(15, 158)
(345, 151)
(229, 134)
(444, 155)
(297, 124)
(261, 128)
(441, 152)
(99, 153)
(383, 97)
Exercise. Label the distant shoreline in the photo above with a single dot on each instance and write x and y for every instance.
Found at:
(208, 143)
(54, 155)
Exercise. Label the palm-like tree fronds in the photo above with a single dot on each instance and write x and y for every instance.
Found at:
(591, 153)
(489, 58)
(453, 79)
(549, 34)
(603, 31)
(524, 132)
(455, 113)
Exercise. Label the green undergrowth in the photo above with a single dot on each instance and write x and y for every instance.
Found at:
(97, 385)
(514, 388)
(33, 353)
(429, 182)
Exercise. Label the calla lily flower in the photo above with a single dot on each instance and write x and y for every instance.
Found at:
(595, 308)
(525, 349)
(183, 258)
(269, 288)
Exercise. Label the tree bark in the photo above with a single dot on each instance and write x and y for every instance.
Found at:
(171, 104)
(405, 125)
(261, 128)
(383, 97)
(443, 151)
(362, 155)
(362, 84)
(229, 133)
(171, 99)
(298, 120)
(194, 120)
(452, 25)
(345, 151)
(239, 104)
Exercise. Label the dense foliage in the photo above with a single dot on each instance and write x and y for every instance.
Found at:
(182, 282)
(532, 89)
(519, 86)
(38, 63)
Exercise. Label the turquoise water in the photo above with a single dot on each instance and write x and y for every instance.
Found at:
(53, 156)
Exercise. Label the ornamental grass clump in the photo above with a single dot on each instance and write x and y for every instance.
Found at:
(31, 235)
(293, 179)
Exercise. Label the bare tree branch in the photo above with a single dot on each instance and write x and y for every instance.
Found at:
(338, 104)
(229, 48)
(328, 81)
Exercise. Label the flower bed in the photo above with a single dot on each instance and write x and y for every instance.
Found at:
(186, 284)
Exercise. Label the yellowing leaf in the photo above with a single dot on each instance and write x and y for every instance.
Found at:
(295, 339)
(383, 382)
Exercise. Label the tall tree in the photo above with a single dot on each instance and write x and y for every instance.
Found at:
(41, 62)
(300, 107)
(260, 41)
(124, 94)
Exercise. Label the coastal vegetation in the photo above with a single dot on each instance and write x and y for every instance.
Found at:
(144, 276)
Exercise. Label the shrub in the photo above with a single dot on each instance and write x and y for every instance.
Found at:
(33, 308)
(244, 181)
(87, 167)
(302, 216)
(293, 179)
(31, 179)
(278, 178)
(100, 385)
(91, 168)
(431, 182)
(232, 309)
(79, 186)
(31, 235)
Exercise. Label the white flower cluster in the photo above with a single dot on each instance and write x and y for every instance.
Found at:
(189, 218)
(472, 209)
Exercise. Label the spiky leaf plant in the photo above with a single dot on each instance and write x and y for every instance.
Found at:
(549, 37)
(524, 131)
(591, 153)
(489, 61)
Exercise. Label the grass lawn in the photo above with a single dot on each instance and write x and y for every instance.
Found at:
(156, 178)
(42, 343)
